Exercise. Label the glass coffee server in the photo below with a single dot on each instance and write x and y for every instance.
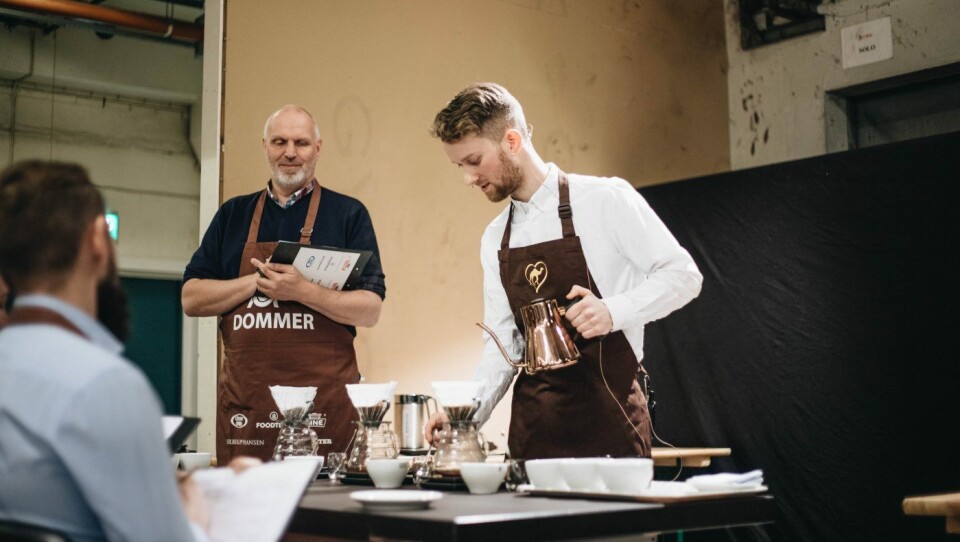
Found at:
(373, 438)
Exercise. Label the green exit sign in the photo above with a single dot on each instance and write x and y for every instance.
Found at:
(113, 222)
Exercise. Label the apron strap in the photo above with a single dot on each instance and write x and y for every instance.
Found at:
(255, 222)
(305, 232)
(41, 315)
(564, 209)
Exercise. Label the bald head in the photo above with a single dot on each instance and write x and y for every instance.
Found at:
(287, 109)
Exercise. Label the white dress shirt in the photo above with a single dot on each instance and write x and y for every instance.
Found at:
(81, 440)
(641, 271)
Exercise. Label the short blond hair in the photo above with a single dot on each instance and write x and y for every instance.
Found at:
(485, 109)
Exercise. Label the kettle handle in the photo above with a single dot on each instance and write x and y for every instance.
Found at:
(563, 311)
(426, 401)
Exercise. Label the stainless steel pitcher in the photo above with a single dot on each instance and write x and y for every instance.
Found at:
(548, 346)
(410, 414)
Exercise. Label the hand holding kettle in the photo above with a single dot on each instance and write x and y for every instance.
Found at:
(590, 315)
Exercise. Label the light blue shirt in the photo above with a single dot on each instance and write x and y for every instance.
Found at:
(82, 448)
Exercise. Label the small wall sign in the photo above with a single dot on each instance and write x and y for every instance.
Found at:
(866, 43)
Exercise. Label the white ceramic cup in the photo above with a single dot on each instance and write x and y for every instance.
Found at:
(545, 474)
(387, 473)
(194, 460)
(582, 474)
(626, 474)
(483, 478)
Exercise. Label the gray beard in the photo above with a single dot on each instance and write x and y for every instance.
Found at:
(289, 182)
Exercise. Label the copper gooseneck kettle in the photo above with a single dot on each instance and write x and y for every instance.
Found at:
(548, 345)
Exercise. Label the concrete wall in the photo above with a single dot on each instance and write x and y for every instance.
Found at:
(122, 108)
(776, 92)
(634, 89)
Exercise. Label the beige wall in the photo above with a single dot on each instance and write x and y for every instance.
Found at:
(626, 88)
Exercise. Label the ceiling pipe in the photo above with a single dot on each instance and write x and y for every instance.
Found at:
(170, 29)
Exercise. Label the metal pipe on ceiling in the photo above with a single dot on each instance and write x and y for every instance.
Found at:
(139, 22)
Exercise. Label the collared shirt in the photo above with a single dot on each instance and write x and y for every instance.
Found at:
(641, 271)
(83, 449)
(295, 197)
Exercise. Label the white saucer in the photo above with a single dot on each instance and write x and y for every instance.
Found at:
(388, 500)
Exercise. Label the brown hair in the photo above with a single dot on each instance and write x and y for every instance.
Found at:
(45, 207)
(485, 109)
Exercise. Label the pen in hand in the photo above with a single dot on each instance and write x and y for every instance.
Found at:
(260, 272)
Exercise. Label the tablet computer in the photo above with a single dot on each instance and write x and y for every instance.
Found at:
(178, 429)
(335, 268)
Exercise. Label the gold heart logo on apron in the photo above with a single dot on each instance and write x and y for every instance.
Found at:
(536, 274)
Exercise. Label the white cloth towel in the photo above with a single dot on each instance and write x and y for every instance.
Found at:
(726, 481)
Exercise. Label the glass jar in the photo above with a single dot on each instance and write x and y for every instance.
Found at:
(295, 438)
(458, 442)
(371, 441)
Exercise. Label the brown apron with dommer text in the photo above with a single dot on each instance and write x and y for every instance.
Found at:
(569, 412)
(281, 343)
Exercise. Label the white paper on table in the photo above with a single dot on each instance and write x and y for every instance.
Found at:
(257, 504)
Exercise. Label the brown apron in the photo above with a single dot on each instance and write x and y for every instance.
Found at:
(569, 412)
(281, 343)
(41, 315)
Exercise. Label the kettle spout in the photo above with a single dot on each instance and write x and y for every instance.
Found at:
(503, 350)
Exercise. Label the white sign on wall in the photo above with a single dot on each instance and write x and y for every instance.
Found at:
(867, 42)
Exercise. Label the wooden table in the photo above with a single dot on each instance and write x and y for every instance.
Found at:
(943, 504)
(327, 512)
(688, 457)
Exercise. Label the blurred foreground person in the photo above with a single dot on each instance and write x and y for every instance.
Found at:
(82, 448)
(4, 294)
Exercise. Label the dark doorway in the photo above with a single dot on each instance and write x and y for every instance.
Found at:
(156, 335)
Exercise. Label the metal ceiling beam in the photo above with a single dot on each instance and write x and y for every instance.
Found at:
(138, 22)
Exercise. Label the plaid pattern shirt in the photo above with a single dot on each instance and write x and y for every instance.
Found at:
(295, 197)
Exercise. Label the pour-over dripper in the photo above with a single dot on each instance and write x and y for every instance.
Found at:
(296, 437)
(373, 438)
(373, 415)
(460, 399)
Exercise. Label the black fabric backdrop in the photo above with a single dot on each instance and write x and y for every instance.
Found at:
(823, 346)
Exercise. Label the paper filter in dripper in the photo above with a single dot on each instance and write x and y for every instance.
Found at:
(294, 402)
(371, 400)
(459, 398)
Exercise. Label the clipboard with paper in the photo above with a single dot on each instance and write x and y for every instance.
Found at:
(330, 267)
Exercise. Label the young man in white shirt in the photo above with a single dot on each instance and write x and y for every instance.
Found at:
(565, 237)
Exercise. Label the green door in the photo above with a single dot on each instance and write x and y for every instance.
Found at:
(156, 334)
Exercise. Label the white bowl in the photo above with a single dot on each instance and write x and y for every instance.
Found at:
(626, 474)
(194, 460)
(545, 474)
(582, 474)
(483, 478)
(387, 473)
